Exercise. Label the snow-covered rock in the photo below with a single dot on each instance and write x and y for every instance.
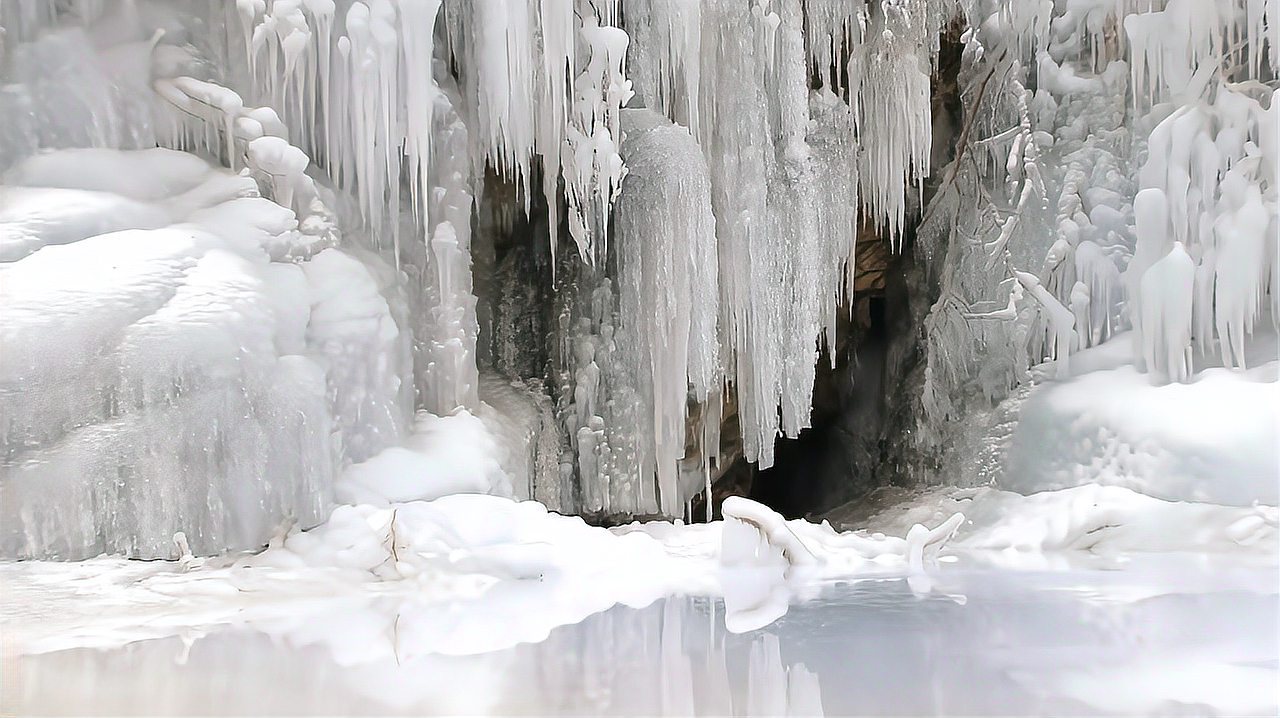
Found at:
(172, 377)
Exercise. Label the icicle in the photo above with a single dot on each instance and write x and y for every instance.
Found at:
(668, 290)
(889, 94)
(663, 59)
(1060, 320)
(1167, 290)
(558, 60)
(417, 21)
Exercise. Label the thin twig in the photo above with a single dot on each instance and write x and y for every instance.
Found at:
(964, 136)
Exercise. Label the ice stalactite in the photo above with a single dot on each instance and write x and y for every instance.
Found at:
(360, 84)
(542, 84)
(880, 56)
(832, 28)
(888, 73)
(664, 60)
(786, 216)
(762, 196)
(574, 134)
(666, 254)
(1178, 49)
(589, 163)
(1212, 162)
(495, 49)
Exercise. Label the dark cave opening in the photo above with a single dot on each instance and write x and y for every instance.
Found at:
(860, 438)
(826, 465)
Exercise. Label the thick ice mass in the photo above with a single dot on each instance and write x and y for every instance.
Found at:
(160, 375)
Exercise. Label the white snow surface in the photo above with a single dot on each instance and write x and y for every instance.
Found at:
(443, 455)
(1214, 439)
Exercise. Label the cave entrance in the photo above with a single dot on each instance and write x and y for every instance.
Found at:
(839, 458)
(863, 413)
(826, 465)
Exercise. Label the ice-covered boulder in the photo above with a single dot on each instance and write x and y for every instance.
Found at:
(170, 377)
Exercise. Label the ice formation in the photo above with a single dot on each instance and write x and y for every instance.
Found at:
(1212, 164)
(666, 246)
(710, 163)
(162, 373)
(1150, 128)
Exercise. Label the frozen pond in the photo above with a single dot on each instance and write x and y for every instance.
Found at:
(1176, 634)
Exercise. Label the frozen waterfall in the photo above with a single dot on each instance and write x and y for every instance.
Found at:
(240, 240)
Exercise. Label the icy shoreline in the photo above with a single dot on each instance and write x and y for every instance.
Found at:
(500, 558)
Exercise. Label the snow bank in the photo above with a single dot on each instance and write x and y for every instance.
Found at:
(1211, 440)
(33, 217)
(443, 455)
(483, 572)
(1090, 519)
(497, 571)
(1114, 520)
(145, 175)
(471, 573)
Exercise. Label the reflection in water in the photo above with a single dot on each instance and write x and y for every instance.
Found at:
(1178, 635)
(671, 658)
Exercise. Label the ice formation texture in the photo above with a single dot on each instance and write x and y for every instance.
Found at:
(735, 76)
(175, 377)
(1145, 153)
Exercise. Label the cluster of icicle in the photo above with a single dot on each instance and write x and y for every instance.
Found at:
(734, 233)
(1206, 254)
(1206, 213)
(561, 64)
(542, 84)
(787, 167)
(540, 79)
(665, 349)
(363, 84)
(1201, 229)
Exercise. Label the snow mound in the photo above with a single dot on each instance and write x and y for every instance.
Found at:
(1211, 440)
(1092, 519)
(1112, 519)
(443, 455)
